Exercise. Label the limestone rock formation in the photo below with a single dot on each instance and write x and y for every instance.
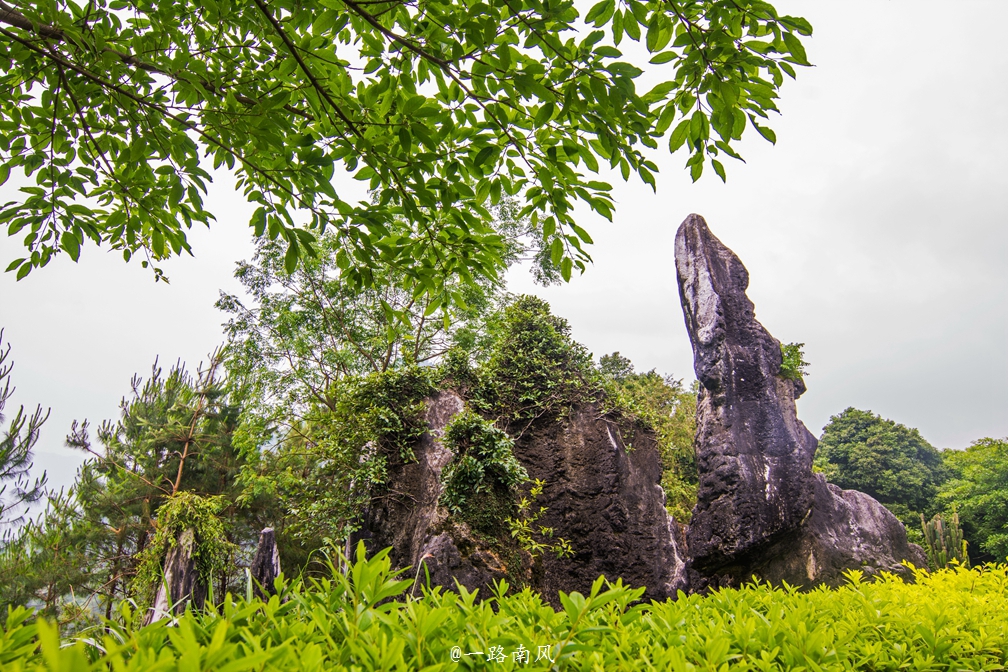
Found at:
(406, 515)
(265, 566)
(603, 499)
(760, 510)
(182, 584)
(846, 530)
(607, 501)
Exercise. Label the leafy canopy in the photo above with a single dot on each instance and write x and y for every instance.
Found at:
(889, 461)
(117, 109)
(978, 490)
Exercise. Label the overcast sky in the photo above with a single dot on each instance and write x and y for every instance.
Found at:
(875, 231)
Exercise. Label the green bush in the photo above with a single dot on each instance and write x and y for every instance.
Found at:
(793, 364)
(532, 367)
(481, 481)
(365, 619)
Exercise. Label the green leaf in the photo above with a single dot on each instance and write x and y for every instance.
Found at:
(766, 132)
(659, 32)
(696, 170)
(4, 173)
(663, 57)
(544, 114)
(71, 244)
(795, 47)
(719, 169)
(581, 233)
(291, 258)
(600, 13)
(556, 251)
(483, 155)
(679, 135)
(565, 268)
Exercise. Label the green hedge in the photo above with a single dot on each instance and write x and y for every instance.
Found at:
(950, 620)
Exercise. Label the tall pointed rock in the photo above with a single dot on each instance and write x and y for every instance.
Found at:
(754, 456)
(760, 510)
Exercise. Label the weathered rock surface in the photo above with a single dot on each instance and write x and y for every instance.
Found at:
(847, 530)
(265, 566)
(406, 515)
(603, 499)
(182, 584)
(607, 501)
(760, 510)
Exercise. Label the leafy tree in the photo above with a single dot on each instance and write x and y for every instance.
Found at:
(323, 471)
(47, 564)
(616, 366)
(174, 436)
(16, 444)
(443, 108)
(303, 332)
(529, 367)
(978, 491)
(889, 461)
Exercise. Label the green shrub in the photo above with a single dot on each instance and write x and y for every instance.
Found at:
(532, 537)
(533, 368)
(481, 480)
(179, 512)
(793, 364)
(365, 620)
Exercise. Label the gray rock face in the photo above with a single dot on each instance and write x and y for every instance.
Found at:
(265, 566)
(607, 501)
(405, 515)
(184, 584)
(759, 508)
(603, 499)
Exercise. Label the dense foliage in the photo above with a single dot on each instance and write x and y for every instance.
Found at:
(482, 478)
(978, 490)
(366, 620)
(174, 439)
(860, 450)
(530, 367)
(322, 472)
(441, 109)
(293, 336)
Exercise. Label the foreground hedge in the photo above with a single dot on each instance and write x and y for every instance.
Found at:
(949, 620)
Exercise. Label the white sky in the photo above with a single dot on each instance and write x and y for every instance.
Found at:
(875, 232)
